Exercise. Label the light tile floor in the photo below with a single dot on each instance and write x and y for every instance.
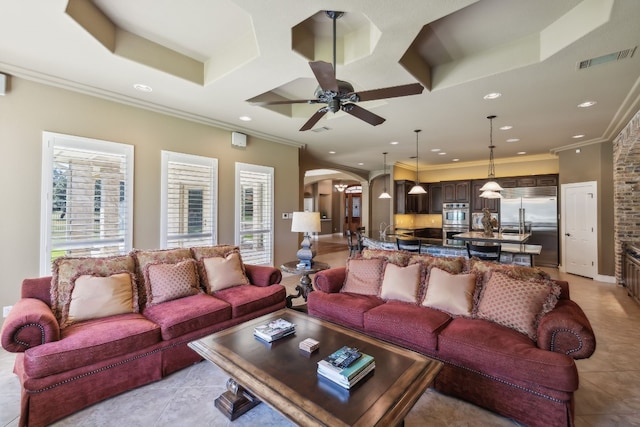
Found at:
(609, 393)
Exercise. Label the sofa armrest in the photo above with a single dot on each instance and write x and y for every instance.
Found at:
(262, 275)
(566, 329)
(330, 281)
(30, 323)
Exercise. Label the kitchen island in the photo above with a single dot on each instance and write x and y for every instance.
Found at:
(512, 253)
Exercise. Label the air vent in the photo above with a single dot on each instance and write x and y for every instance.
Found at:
(616, 56)
(320, 129)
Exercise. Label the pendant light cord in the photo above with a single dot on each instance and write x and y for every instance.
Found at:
(417, 131)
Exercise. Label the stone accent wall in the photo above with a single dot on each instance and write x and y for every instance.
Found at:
(626, 187)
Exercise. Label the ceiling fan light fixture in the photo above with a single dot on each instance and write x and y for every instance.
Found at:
(491, 189)
(384, 194)
(417, 188)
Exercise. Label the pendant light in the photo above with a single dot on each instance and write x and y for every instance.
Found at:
(491, 189)
(417, 188)
(384, 194)
(340, 187)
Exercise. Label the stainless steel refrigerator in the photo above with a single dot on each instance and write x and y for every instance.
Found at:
(536, 210)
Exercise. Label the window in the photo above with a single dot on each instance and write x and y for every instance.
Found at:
(189, 200)
(254, 213)
(87, 193)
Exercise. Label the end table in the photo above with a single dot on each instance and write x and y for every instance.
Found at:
(305, 281)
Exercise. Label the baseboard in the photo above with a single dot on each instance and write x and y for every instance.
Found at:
(606, 279)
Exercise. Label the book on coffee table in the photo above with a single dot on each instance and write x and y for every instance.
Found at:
(274, 330)
(346, 366)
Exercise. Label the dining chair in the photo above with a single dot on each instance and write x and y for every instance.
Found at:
(487, 252)
(352, 243)
(409, 245)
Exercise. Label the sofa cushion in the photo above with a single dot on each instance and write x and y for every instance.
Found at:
(96, 296)
(91, 341)
(453, 265)
(401, 283)
(364, 276)
(452, 293)
(400, 258)
(504, 353)
(246, 299)
(164, 256)
(343, 308)
(481, 267)
(406, 324)
(223, 272)
(166, 282)
(65, 269)
(217, 251)
(184, 315)
(517, 304)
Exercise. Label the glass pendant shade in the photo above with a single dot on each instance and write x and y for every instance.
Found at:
(488, 194)
(417, 189)
(491, 186)
(384, 194)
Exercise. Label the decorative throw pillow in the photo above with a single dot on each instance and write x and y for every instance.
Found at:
(201, 252)
(65, 269)
(166, 282)
(395, 257)
(363, 276)
(96, 296)
(164, 256)
(516, 271)
(401, 283)
(222, 273)
(453, 265)
(452, 293)
(516, 304)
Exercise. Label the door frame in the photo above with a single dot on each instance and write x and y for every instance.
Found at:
(593, 185)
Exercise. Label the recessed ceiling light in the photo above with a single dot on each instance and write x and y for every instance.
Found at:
(577, 136)
(442, 154)
(521, 152)
(332, 152)
(360, 164)
(455, 160)
(394, 143)
(577, 151)
(142, 88)
(587, 104)
(513, 139)
(435, 150)
(507, 127)
(492, 95)
(245, 118)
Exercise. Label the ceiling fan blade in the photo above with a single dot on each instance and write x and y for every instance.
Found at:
(314, 119)
(286, 101)
(362, 114)
(390, 92)
(325, 75)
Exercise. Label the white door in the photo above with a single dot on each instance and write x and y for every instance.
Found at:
(579, 228)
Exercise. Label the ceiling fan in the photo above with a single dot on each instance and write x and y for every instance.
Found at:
(339, 95)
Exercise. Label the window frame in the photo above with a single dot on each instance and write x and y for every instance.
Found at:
(188, 159)
(51, 141)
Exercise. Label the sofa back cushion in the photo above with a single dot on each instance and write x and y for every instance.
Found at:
(514, 303)
(166, 282)
(223, 272)
(452, 293)
(93, 297)
(364, 276)
(401, 283)
(65, 269)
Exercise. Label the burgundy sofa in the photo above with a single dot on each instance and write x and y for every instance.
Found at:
(64, 370)
(485, 363)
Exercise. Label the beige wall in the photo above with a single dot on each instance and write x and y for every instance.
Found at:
(30, 108)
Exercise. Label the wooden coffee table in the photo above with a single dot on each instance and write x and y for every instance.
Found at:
(286, 379)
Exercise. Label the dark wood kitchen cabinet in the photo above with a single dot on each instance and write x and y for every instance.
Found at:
(456, 192)
(410, 203)
(435, 198)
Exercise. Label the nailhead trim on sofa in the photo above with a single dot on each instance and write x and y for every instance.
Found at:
(25, 344)
(553, 340)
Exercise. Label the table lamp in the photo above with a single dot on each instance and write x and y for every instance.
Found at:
(307, 223)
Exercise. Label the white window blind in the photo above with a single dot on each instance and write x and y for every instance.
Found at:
(189, 200)
(254, 213)
(87, 192)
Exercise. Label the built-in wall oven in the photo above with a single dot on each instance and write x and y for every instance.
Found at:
(455, 219)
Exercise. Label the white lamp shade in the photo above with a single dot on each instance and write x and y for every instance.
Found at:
(417, 189)
(488, 194)
(491, 186)
(306, 222)
(384, 195)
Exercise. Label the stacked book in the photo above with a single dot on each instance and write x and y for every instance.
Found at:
(274, 330)
(346, 366)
